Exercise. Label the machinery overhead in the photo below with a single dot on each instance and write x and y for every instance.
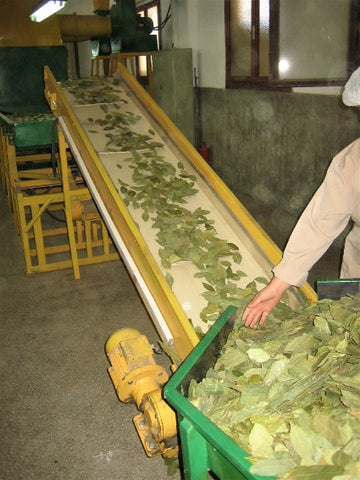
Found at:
(116, 29)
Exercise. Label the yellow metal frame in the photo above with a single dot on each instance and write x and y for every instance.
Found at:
(14, 179)
(184, 336)
(3, 162)
(45, 248)
(8, 168)
(83, 240)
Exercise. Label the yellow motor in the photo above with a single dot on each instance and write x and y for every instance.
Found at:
(138, 378)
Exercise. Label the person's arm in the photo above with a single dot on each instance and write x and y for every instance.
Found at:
(262, 304)
(322, 221)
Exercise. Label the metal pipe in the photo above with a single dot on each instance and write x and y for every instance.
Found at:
(78, 28)
(101, 5)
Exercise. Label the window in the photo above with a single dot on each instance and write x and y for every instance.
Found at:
(283, 43)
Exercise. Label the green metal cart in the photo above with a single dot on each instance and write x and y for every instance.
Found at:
(205, 447)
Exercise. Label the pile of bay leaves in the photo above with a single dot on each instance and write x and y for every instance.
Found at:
(93, 90)
(30, 117)
(289, 392)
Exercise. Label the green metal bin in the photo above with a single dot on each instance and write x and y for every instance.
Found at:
(28, 133)
(205, 447)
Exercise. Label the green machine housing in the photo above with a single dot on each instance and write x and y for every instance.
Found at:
(22, 93)
(130, 31)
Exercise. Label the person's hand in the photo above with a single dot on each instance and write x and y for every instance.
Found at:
(263, 302)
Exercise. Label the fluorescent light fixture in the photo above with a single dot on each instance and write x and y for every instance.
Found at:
(45, 9)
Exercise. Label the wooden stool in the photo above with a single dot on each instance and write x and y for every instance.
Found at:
(131, 62)
(105, 59)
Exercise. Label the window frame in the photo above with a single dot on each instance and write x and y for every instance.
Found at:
(272, 81)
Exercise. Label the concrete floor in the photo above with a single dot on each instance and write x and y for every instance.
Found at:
(60, 416)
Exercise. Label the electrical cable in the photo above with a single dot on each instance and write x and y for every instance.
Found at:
(166, 19)
(55, 217)
(46, 190)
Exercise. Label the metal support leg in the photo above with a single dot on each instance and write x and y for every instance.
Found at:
(67, 201)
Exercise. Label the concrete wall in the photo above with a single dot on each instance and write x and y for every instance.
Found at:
(199, 25)
(173, 87)
(274, 148)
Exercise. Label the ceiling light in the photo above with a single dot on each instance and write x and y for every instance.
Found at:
(45, 9)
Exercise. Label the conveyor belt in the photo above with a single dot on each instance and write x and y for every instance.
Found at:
(158, 166)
